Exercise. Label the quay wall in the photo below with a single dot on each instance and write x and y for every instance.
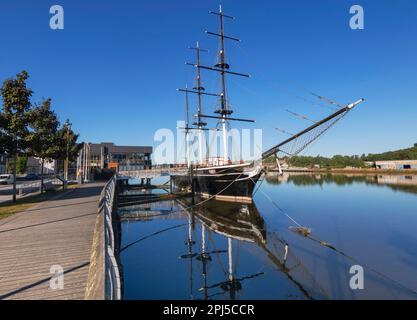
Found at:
(96, 275)
(104, 279)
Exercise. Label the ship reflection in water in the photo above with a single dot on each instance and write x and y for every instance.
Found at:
(223, 250)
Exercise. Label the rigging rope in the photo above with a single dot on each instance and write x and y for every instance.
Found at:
(299, 144)
(298, 85)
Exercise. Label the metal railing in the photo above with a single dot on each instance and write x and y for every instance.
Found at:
(113, 289)
(152, 173)
(34, 186)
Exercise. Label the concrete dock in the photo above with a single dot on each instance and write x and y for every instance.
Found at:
(57, 232)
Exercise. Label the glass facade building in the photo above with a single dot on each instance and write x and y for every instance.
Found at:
(108, 155)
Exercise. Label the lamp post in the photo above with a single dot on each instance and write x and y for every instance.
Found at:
(66, 162)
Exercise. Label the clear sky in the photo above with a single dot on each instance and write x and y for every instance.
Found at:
(114, 68)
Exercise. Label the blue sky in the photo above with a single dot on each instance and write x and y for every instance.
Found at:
(114, 69)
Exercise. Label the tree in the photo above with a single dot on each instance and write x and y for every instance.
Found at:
(3, 138)
(401, 154)
(66, 143)
(43, 135)
(16, 105)
(21, 166)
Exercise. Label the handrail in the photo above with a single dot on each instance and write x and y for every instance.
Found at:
(30, 187)
(150, 173)
(113, 289)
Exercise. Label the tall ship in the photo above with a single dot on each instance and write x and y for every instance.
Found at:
(218, 177)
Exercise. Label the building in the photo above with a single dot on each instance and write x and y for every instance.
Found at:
(109, 155)
(96, 157)
(403, 180)
(396, 165)
(34, 165)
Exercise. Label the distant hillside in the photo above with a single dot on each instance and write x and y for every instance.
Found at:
(334, 162)
(402, 154)
(339, 161)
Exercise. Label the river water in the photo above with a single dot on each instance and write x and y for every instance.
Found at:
(220, 250)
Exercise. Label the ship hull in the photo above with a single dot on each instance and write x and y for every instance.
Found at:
(228, 184)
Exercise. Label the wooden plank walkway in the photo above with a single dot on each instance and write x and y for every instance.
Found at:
(56, 232)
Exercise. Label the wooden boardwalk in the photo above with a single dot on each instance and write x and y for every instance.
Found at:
(55, 232)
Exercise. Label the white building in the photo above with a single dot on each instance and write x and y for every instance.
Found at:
(397, 165)
(34, 166)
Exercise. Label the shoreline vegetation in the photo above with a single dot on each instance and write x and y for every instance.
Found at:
(395, 181)
(346, 171)
(355, 163)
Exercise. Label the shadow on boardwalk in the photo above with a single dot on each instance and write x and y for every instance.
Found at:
(55, 232)
(42, 281)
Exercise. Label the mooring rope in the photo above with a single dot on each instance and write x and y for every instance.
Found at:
(280, 209)
(151, 235)
(181, 210)
(306, 232)
(256, 190)
(331, 247)
(209, 198)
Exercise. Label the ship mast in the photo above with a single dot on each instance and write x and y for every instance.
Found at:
(231, 277)
(223, 68)
(225, 110)
(204, 257)
(199, 89)
(187, 127)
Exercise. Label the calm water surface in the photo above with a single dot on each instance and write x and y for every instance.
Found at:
(220, 250)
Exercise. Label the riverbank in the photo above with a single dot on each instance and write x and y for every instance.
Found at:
(347, 171)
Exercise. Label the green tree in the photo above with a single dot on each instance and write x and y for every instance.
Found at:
(402, 154)
(3, 137)
(16, 105)
(66, 143)
(21, 166)
(42, 137)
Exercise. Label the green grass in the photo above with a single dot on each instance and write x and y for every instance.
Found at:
(9, 208)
